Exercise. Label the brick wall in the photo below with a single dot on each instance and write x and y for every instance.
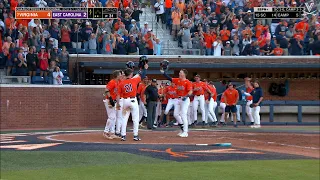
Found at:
(51, 107)
(37, 107)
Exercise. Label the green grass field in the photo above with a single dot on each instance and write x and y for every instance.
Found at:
(47, 165)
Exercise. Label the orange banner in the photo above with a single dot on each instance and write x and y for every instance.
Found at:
(33, 14)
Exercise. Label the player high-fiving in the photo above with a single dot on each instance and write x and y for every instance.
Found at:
(184, 91)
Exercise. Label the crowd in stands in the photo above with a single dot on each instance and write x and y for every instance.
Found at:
(218, 28)
(228, 28)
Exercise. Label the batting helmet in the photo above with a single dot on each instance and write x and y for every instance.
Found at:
(164, 64)
(130, 64)
(143, 61)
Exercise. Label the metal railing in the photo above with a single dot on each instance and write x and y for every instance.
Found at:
(272, 104)
(179, 51)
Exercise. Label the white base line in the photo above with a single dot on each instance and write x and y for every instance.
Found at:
(289, 145)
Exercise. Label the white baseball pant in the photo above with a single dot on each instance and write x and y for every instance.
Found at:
(142, 110)
(210, 110)
(222, 107)
(256, 115)
(158, 112)
(173, 103)
(119, 119)
(111, 121)
(130, 105)
(238, 112)
(182, 107)
(249, 110)
(190, 114)
(198, 100)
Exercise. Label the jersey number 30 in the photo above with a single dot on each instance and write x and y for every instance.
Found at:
(128, 88)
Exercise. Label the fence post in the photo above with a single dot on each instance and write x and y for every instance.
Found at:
(299, 113)
(271, 114)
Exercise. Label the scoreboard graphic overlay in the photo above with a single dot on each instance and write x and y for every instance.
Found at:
(66, 13)
(278, 12)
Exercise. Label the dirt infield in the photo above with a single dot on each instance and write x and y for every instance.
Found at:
(288, 143)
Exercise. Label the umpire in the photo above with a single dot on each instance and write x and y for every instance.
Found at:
(151, 97)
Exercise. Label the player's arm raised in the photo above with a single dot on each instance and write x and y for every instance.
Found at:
(143, 72)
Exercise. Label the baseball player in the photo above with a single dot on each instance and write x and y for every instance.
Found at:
(231, 97)
(249, 88)
(190, 113)
(128, 94)
(211, 104)
(140, 96)
(109, 102)
(119, 111)
(199, 88)
(172, 97)
(184, 91)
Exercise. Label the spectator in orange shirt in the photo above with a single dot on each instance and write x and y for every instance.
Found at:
(278, 51)
(247, 31)
(181, 6)
(149, 37)
(176, 16)
(259, 29)
(303, 25)
(225, 34)
(168, 6)
(208, 41)
(10, 22)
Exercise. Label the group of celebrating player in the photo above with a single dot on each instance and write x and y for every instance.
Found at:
(124, 95)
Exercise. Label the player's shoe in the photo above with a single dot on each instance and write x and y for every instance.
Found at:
(107, 135)
(136, 138)
(155, 126)
(179, 133)
(256, 126)
(184, 134)
(235, 125)
(175, 124)
(123, 138)
(223, 124)
(115, 136)
(118, 134)
(252, 123)
(141, 126)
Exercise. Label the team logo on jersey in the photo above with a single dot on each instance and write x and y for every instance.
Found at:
(180, 88)
(128, 88)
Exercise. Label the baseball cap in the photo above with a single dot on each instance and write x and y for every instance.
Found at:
(228, 42)
(121, 39)
(145, 22)
(87, 23)
(42, 47)
(249, 11)
(197, 75)
(154, 80)
(149, 30)
(132, 20)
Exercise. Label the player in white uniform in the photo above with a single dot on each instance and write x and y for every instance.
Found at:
(184, 91)
(109, 102)
(127, 91)
(171, 95)
(199, 89)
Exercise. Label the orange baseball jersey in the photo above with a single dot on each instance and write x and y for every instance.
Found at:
(222, 99)
(248, 90)
(141, 88)
(161, 93)
(171, 92)
(112, 86)
(213, 92)
(231, 96)
(199, 88)
(183, 87)
(128, 87)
